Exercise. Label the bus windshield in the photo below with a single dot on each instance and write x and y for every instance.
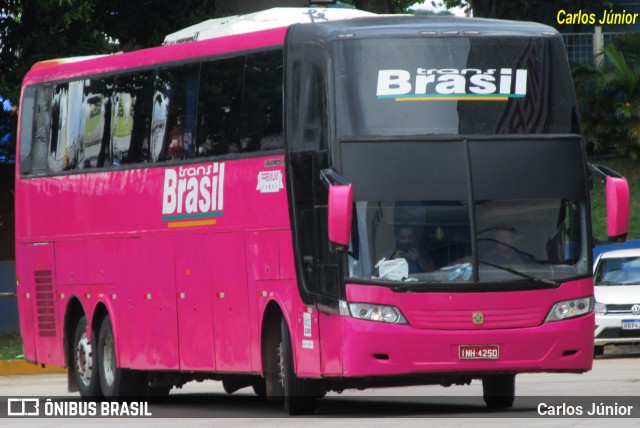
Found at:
(453, 85)
(426, 214)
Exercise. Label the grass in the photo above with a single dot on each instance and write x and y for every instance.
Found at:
(630, 170)
(10, 346)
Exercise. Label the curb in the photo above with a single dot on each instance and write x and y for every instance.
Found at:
(21, 367)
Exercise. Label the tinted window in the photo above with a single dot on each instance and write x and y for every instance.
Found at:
(34, 143)
(67, 126)
(220, 107)
(95, 126)
(131, 118)
(262, 102)
(453, 85)
(174, 113)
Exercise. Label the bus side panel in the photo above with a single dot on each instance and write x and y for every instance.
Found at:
(47, 319)
(271, 277)
(308, 343)
(26, 295)
(304, 318)
(195, 318)
(331, 343)
(148, 337)
(101, 261)
(262, 265)
(231, 302)
(71, 263)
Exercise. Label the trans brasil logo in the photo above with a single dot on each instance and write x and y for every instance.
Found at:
(450, 84)
(193, 195)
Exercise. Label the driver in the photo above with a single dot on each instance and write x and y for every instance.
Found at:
(504, 251)
(407, 248)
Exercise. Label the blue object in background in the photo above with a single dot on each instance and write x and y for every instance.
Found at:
(610, 247)
(8, 305)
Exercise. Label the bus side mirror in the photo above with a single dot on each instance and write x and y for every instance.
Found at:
(618, 208)
(340, 213)
(340, 206)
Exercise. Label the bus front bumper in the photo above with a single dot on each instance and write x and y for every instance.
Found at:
(379, 349)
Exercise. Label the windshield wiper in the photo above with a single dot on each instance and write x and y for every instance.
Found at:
(415, 286)
(518, 273)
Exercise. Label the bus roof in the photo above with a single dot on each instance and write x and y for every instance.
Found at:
(72, 68)
(263, 30)
(271, 18)
(407, 25)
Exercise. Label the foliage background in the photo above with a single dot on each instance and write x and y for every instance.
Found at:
(36, 30)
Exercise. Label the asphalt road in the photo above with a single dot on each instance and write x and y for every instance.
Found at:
(613, 382)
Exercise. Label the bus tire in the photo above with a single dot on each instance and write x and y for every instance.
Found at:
(260, 388)
(299, 397)
(115, 382)
(85, 361)
(499, 391)
(598, 350)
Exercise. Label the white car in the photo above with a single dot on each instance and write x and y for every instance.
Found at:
(617, 293)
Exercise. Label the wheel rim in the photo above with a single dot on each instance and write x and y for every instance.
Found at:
(83, 360)
(108, 360)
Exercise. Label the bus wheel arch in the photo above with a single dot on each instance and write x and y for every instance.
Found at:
(82, 357)
(74, 312)
(278, 366)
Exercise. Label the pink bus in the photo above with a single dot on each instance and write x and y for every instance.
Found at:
(380, 201)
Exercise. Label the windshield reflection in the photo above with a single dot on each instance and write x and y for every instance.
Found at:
(435, 242)
(618, 271)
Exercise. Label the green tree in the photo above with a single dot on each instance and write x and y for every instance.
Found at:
(544, 11)
(384, 6)
(622, 79)
(610, 98)
(36, 30)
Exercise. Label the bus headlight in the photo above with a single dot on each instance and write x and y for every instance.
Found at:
(601, 308)
(570, 309)
(381, 313)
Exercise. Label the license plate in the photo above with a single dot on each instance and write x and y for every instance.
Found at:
(478, 352)
(631, 324)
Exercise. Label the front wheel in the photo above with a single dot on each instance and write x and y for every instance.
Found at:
(499, 391)
(85, 361)
(115, 381)
(299, 397)
(260, 388)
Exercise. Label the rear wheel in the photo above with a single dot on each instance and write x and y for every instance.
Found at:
(499, 391)
(85, 361)
(115, 382)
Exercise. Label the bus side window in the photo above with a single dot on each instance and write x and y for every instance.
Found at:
(174, 113)
(319, 264)
(33, 153)
(262, 102)
(95, 138)
(302, 166)
(219, 107)
(131, 118)
(67, 127)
